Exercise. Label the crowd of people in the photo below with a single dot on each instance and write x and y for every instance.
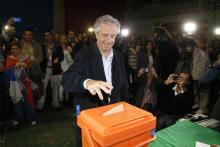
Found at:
(31, 68)
(163, 76)
(189, 66)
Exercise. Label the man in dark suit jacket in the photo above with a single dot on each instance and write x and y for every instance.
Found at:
(98, 72)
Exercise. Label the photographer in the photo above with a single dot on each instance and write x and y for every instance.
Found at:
(8, 34)
(146, 57)
(185, 47)
(166, 49)
(175, 98)
(146, 97)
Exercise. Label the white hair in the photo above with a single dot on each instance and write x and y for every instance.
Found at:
(105, 19)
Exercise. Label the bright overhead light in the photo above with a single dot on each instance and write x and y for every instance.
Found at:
(190, 27)
(90, 29)
(124, 32)
(217, 31)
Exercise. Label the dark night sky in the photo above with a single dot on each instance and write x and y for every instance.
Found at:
(38, 14)
(35, 14)
(81, 14)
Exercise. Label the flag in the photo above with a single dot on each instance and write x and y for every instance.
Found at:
(29, 93)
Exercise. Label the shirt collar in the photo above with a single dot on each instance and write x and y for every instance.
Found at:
(175, 92)
(110, 56)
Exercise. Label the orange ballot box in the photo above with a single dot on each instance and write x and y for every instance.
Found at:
(116, 125)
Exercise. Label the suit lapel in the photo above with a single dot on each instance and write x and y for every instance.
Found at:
(114, 80)
(99, 64)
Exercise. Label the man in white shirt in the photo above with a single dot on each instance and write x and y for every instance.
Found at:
(98, 74)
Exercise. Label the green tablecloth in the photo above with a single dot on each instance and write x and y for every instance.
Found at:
(185, 134)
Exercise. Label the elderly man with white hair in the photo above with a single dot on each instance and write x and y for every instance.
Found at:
(98, 72)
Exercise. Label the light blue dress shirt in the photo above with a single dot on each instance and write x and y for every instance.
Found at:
(107, 64)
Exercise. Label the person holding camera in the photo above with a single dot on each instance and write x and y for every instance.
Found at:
(146, 65)
(166, 49)
(175, 98)
(146, 97)
(146, 58)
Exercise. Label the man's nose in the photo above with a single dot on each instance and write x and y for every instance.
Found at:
(109, 39)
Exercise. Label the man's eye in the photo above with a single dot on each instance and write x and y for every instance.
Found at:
(105, 35)
(113, 36)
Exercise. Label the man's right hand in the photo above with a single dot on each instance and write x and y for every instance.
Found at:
(95, 87)
(169, 80)
(141, 71)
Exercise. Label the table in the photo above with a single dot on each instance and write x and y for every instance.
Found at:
(185, 134)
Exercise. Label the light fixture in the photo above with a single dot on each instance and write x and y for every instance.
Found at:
(90, 29)
(217, 31)
(6, 27)
(124, 32)
(190, 27)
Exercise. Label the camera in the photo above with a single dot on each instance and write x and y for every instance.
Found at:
(149, 69)
(17, 19)
(158, 27)
(175, 77)
(160, 32)
(146, 70)
(8, 31)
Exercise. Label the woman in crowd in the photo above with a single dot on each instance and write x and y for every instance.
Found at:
(19, 91)
(146, 68)
(67, 61)
(146, 58)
